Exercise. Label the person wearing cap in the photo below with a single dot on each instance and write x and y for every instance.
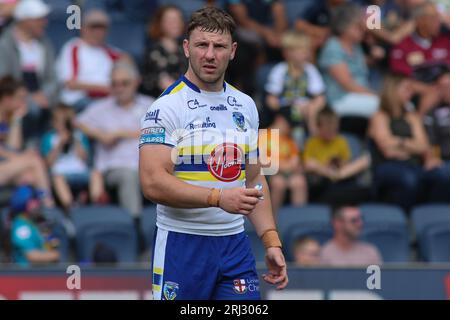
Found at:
(28, 55)
(28, 243)
(85, 63)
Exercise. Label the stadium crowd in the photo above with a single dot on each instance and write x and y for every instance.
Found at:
(363, 114)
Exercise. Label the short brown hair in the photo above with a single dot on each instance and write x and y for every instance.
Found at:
(9, 86)
(211, 19)
(326, 114)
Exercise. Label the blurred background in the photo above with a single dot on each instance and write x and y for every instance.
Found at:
(363, 114)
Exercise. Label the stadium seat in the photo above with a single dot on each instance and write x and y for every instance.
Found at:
(437, 238)
(426, 219)
(148, 225)
(385, 226)
(355, 145)
(110, 225)
(295, 9)
(310, 220)
(59, 34)
(255, 242)
(129, 37)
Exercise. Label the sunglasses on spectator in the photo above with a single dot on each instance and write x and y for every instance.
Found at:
(121, 83)
(98, 26)
(355, 220)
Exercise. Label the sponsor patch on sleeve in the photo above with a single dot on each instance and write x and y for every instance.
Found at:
(152, 135)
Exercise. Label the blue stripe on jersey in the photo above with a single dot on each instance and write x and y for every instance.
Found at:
(197, 167)
(171, 87)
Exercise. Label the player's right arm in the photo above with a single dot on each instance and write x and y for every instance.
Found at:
(161, 186)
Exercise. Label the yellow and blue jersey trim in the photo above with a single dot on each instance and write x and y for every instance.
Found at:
(181, 83)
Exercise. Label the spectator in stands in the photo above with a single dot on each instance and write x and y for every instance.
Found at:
(396, 20)
(327, 159)
(400, 144)
(344, 66)
(425, 46)
(437, 124)
(114, 124)
(345, 249)
(27, 55)
(18, 167)
(67, 152)
(164, 59)
(295, 87)
(85, 63)
(29, 245)
(260, 25)
(316, 21)
(188, 7)
(306, 252)
(289, 176)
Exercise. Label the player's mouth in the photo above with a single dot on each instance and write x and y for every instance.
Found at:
(209, 68)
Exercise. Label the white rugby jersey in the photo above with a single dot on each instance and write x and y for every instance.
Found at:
(213, 134)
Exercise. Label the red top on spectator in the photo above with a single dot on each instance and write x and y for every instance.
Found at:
(413, 51)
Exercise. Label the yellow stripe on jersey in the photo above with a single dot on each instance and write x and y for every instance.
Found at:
(180, 86)
(205, 149)
(201, 176)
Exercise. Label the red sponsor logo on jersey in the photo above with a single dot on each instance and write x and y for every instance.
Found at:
(225, 162)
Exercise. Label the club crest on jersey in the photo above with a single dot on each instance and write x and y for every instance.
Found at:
(239, 286)
(225, 162)
(170, 290)
(239, 121)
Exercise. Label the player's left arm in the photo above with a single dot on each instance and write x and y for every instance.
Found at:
(263, 220)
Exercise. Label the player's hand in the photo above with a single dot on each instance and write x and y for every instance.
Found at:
(277, 268)
(239, 200)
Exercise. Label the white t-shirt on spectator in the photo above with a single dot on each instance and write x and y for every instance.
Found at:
(32, 57)
(105, 115)
(85, 63)
(277, 78)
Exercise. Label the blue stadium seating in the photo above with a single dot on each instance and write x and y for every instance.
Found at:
(255, 242)
(437, 239)
(355, 144)
(430, 221)
(148, 224)
(385, 226)
(59, 34)
(296, 8)
(110, 225)
(130, 37)
(310, 220)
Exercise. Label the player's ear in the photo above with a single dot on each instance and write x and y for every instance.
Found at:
(233, 50)
(186, 47)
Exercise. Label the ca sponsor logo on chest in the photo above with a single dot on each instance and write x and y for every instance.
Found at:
(225, 162)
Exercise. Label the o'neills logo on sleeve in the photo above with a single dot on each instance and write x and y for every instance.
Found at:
(225, 162)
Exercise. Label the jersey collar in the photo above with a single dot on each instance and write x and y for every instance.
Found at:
(194, 87)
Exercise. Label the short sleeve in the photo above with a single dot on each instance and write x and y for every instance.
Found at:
(92, 116)
(22, 238)
(159, 125)
(275, 80)
(316, 85)
(331, 55)
(308, 153)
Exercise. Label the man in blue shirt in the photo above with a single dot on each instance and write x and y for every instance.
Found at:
(28, 243)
